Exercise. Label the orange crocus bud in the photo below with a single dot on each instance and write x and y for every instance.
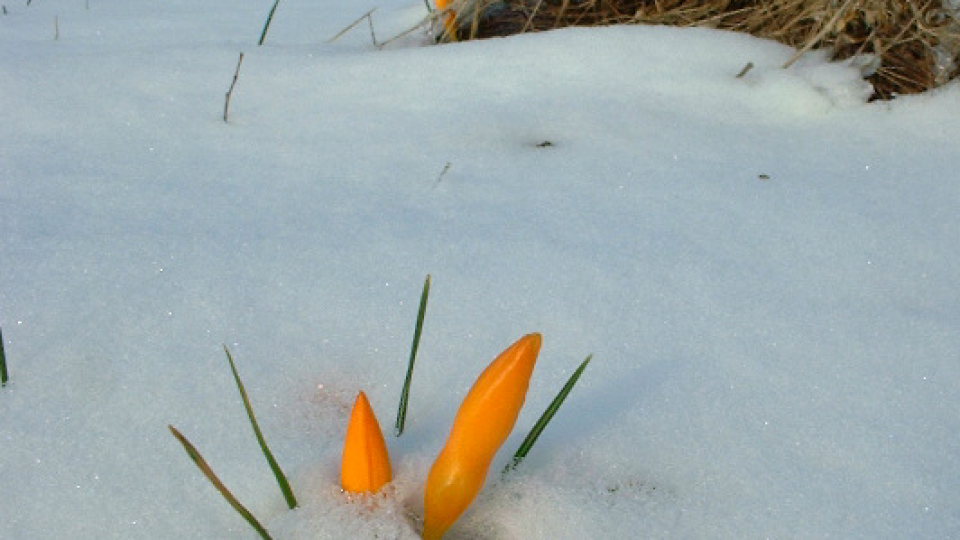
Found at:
(484, 420)
(365, 465)
(449, 18)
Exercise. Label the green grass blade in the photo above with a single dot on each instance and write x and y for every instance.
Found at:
(274, 466)
(208, 472)
(3, 362)
(266, 26)
(405, 393)
(546, 416)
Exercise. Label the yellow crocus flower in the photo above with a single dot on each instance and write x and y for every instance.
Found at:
(365, 465)
(485, 419)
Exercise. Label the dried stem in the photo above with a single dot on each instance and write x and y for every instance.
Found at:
(3, 363)
(236, 75)
(352, 25)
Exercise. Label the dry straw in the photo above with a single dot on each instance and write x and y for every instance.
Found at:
(914, 45)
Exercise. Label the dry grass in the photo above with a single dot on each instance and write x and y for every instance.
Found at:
(915, 45)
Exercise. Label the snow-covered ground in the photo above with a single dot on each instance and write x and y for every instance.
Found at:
(766, 269)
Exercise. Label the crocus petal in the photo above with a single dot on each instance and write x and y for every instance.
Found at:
(484, 420)
(365, 465)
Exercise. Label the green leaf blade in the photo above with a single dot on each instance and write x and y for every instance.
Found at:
(405, 393)
(274, 466)
(266, 26)
(547, 415)
(212, 477)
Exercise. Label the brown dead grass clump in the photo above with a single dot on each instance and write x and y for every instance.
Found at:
(914, 46)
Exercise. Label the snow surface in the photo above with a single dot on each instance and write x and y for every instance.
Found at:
(766, 269)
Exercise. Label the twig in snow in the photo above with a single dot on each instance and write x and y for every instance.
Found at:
(266, 26)
(352, 25)
(3, 363)
(373, 35)
(236, 75)
(426, 21)
(442, 173)
(746, 69)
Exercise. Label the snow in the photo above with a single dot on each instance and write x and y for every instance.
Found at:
(765, 269)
